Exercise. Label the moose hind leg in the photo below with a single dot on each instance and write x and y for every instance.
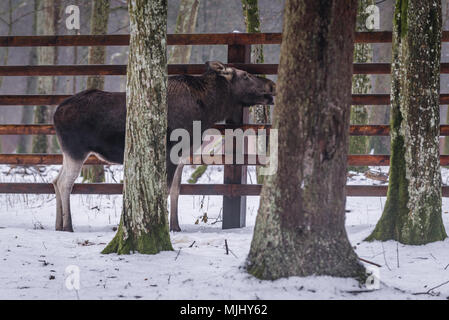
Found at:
(174, 195)
(71, 170)
(58, 225)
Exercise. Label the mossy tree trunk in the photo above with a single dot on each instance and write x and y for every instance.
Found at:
(361, 84)
(144, 222)
(412, 213)
(97, 55)
(261, 114)
(45, 25)
(300, 226)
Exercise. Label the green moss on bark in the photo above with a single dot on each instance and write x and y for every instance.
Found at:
(151, 242)
(144, 224)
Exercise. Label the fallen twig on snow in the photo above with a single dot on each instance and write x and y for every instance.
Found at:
(370, 262)
(431, 289)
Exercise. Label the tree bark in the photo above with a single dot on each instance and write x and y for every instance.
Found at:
(412, 213)
(97, 55)
(300, 227)
(144, 222)
(46, 56)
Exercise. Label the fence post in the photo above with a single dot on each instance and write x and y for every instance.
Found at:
(234, 208)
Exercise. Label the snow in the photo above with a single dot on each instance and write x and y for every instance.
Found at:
(34, 258)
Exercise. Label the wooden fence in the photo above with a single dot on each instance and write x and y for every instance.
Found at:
(235, 186)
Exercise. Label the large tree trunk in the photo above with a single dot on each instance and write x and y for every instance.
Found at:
(300, 227)
(97, 55)
(144, 224)
(185, 23)
(46, 56)
(361, 84)
(412, 213)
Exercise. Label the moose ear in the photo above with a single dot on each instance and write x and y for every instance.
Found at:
(220, 69)
(215, 66)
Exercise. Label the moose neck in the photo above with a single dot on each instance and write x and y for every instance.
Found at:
(220, 103)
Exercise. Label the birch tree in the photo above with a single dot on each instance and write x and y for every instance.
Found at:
(144, 222)
(412, 213)
(300, 229)
(97, 55)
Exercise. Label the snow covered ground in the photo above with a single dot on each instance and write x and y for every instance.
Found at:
(33, 257)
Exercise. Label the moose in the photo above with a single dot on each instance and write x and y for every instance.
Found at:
(93, 122)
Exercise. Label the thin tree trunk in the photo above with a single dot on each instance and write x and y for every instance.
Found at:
(381, 85)
(97, 55)
(361, 84)
(300, 226)
(24, 144)
(46, 56)
(412, 213)
(144, 223)
(261, 114)
(185, 23)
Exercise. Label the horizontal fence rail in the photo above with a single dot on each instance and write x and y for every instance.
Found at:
(56, 159)
(120, 70)
(178, 39)
(228, 190)
(37, 100)
(354, 130)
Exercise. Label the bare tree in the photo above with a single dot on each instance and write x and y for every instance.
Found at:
(45, 25)
(361, 83)
(97, 55)
(144, 222)
(185, 23)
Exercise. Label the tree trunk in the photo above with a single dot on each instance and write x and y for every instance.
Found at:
(300, 227)
(24, 144)
(144, 223)
(382, 54)
(261, 114)
(97, 55)
(46, 56)
(361, 84)
(412, 213)
(185, 23)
